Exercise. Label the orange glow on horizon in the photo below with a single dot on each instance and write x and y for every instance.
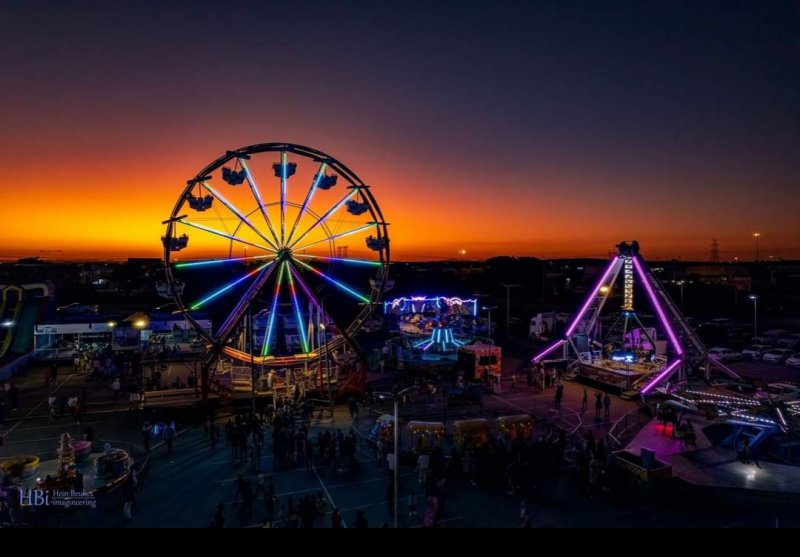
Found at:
(111, 207)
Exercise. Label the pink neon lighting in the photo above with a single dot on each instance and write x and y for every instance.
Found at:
(661, 376)
(548, 350)
(661, 315)
(589, 300)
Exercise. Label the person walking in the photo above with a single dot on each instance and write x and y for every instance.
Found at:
(598, 404)
(513, 382)
(607, 406)
(559, 395)
(585, 400)
(169, 436)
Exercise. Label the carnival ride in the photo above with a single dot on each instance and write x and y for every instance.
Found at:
(9, 315)
(630, 355)
(444, 320)
(754, 418)
(270, 251)
(21, 307)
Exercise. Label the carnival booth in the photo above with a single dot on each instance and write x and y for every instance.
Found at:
(474, 431)
(510, 427)
(475, 360)
(425, 436)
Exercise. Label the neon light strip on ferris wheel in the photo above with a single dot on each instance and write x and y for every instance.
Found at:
(186, 264)
(271, 325)
(238, 213)
(283, 196)
(339, 259)
(303, 285)
(227, 287)
(297, 313)
(333, 281)
(225, 235)
(254, 188)
(339, 235)
(322, 219)
(307, 200)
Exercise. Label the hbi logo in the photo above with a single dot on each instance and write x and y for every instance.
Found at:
(33, 497)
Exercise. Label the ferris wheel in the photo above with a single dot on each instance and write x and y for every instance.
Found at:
(282, 247)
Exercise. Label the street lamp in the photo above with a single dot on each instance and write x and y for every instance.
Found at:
(252, 334)
(755, 297)
(681, 283)
(489, 325)
(396, 397)
(756, 235)
(323, 345)
(508, 288)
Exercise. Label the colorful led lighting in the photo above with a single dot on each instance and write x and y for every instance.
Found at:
(238, 213)
(339, 259)
(327, 214)
(219, 261)
(298, 314)
(307, 200)
(303, 285)
(254, 188)
(271, 324)
(333, 281)
(591, 298)
(659, 310)
(283, 196)
(669, 369)
(224, 289)
(548, 350)
(340, 235)
(225, 235)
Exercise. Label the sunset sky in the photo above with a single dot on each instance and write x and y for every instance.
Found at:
(498, 127)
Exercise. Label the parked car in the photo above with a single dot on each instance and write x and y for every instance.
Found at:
(770, 337)
(792, 341)
(776, 355)
(794, 361)
(755, 351)
(724, 355)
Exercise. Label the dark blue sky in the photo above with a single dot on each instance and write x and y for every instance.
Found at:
(684, 113)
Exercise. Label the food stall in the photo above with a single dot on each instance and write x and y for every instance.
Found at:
(475, 360)
(425, 436)
(509, 427)
(475, 431)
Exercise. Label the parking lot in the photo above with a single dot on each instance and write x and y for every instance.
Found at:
(766, 372)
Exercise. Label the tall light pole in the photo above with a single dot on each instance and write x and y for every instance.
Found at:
(396, 397)
(324, 346)
(756, 235)
(508, 288)
(754, 297)
(252, 335)
(489, 325)
(681, 283)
